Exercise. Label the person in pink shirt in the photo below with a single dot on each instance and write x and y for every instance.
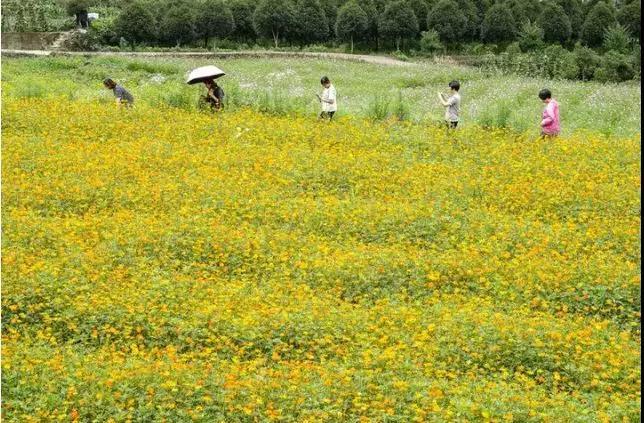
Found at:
(550, 125)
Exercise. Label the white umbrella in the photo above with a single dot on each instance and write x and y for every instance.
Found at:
(204, 73)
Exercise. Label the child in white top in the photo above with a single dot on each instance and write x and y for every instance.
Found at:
(328, 99)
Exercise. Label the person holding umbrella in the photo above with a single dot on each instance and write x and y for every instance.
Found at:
(215, 94)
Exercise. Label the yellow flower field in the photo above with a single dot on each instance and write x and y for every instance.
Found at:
(163, 265)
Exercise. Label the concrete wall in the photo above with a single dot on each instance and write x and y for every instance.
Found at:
(28, 40)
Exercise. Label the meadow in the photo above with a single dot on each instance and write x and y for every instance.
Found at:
(164, 264)
(288, 86)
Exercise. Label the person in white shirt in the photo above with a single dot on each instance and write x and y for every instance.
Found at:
(328, 99)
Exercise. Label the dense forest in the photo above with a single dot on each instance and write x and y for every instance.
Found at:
(589, 31)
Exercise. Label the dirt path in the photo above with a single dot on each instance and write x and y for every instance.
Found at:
(378, 60)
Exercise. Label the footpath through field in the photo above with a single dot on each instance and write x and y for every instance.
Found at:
(379, 60)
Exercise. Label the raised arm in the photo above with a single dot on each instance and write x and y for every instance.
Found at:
(442, 100)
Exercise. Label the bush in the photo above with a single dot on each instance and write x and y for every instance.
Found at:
(615, 67)
(560, 63)
(616, 38)
(430, 42)
(82, 41)
(530, 37)
(587, 61)
(513, 49)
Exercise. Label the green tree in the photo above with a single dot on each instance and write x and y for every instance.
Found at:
(373, 31)
(178, 24)
(352, 22)
(73, 7)
(215, 19)
(136, 23)
(242, 11)
(560, 63)
(420, 10)
(630, 15)
(530, 37)
(398, 22)
(447, 19)
(555, 23)
(575, 12)
(600, 17)
(311, 23)
(519, 12)
(473, 20)
(616, 38)
(498, 25)
(273, 18)
(331, 10)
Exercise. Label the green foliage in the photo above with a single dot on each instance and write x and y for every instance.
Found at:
(615, 67)
(498, 25)
(447, 19)
(242, 11)
(136, 23)
(352, 23)
(421, 10)
(555, 23)
(76, 6)
(530, 37)
(41, 23)
(630, 15)
(518, 10)
(587, 61)
(473, 21)
(273, 18)
(214, 19)
(83, 41)
(430, 42)
(599, 19)
(177, 25)
(513, 49)
(616, 38)
(21, 24)
(560, 63)
(575, 13)
(398, 22)
(311, 24)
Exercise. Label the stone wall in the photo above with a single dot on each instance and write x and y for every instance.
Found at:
(28, 40)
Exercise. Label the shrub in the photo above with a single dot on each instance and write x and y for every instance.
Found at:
(430, 42)
(615, 67)
(616, 38)
(447, 20)
(498, 25)
(587, 61)
(513, 49)
(560, 63)
(530, 37)
(599, 19)
(82, 41)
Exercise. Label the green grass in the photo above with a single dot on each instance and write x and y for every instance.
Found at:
(287, 85)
